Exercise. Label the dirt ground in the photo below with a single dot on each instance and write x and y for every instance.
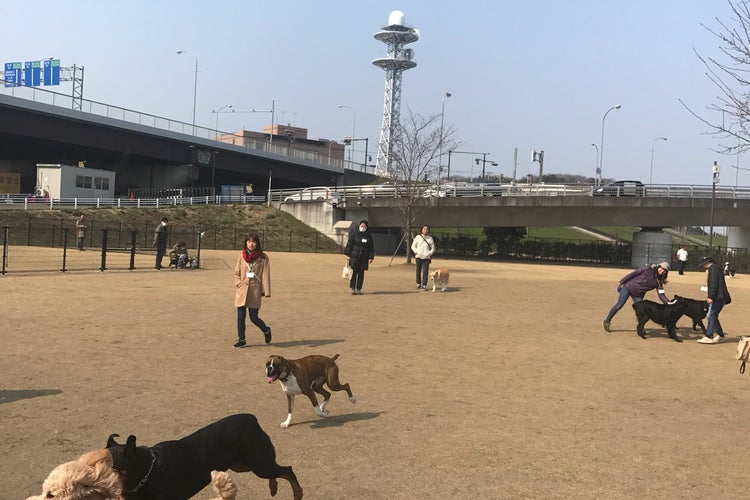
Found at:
(505, 386)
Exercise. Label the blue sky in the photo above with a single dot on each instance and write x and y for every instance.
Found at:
(527, 75)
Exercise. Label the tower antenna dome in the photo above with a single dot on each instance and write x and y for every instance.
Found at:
(396, 17)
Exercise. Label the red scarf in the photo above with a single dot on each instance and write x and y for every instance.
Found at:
(251, 256)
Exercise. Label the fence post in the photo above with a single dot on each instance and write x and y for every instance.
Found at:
(199, 237)
(5, 246)
(133, 236)
(104, 251)
(65, 248)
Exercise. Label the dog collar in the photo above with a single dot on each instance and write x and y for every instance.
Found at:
(146, 477)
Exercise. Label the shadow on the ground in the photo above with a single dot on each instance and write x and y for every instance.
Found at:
(339, 420)
(9, 395)
(297, 343)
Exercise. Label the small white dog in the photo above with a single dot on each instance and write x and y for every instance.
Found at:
(440, 279)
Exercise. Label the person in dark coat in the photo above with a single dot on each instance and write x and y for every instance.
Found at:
(636, 284)
(361, 252)
(161, 235)
(717, 297)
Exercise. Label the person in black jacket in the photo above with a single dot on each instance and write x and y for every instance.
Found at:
(161, 235)
(717, 297)
(361, 252)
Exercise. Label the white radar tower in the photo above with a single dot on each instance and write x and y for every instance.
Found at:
(397, 60)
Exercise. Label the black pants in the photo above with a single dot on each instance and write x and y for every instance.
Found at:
(254, 318)
(357, 279)
(423, 271)
(682, 267)
(160, 253)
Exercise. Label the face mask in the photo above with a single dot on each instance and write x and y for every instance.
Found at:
(163, 223)
(362, 229)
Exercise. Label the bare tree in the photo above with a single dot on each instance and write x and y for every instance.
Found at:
(732, 78)
(415, 163)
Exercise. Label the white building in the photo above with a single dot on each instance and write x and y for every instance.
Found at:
(66, 181)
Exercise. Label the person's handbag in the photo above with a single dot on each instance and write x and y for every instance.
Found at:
(346, 273)
(743, 352)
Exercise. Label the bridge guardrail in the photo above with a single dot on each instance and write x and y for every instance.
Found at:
(510, 189)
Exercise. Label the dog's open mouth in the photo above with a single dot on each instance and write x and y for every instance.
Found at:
(271, 379)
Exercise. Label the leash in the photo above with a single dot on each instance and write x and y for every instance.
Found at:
(145, 478)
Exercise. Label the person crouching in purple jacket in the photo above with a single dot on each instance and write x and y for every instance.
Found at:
(636, 284)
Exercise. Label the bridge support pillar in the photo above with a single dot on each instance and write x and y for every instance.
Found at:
(651, 246)
(738, 237)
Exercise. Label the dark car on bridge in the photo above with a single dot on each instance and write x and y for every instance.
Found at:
(621, 188)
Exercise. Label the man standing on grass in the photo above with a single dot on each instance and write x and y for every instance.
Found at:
(161, 235)
(81, 231)
(682, 256)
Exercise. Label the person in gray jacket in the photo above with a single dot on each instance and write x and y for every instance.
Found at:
(423, 247)
(636, 284)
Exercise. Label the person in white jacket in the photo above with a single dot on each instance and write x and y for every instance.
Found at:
(423, 247)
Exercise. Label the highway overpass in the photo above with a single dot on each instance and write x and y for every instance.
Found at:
(146, 151)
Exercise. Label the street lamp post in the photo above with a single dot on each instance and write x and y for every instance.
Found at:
(273, 112)
(195, 85)
(714, 180)
(601, 143)
(450, 152)
(446, 95)
(367, 140)
(354, 126)
(484, 161)
(596, 164)
(651, 171)
(220, 110)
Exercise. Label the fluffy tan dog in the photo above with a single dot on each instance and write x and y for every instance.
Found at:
(91, 477)
(440, 279)
(223, 486)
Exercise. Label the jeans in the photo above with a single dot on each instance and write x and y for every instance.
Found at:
(423, 270)
(254, 318)
(621, 299)
(357, 279)
(714, 325)
(682, 266)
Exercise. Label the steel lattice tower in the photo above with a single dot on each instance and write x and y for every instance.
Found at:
(397, 60)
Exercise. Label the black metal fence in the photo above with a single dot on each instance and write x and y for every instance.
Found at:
(51, 247)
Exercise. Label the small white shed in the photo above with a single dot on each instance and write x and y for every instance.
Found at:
(67, 181)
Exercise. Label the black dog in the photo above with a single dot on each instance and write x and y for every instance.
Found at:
(663, 314)
(695, 310)
(177, 470)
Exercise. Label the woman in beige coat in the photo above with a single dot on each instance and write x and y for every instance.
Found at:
(252, 280)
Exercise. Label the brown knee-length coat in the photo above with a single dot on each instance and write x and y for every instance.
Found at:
(248, 291)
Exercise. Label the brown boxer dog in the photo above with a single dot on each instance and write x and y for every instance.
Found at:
(306, 376)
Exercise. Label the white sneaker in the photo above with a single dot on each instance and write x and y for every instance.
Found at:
(708, 340)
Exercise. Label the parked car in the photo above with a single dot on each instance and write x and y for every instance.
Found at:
(317, 193)
(621, 188)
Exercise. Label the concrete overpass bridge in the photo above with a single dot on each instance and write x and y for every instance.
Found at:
(661, 207)
(147, 151)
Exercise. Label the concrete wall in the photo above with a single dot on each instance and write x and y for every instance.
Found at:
(322, 216)
(319, 215)
(651, 247)
(738, 237)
